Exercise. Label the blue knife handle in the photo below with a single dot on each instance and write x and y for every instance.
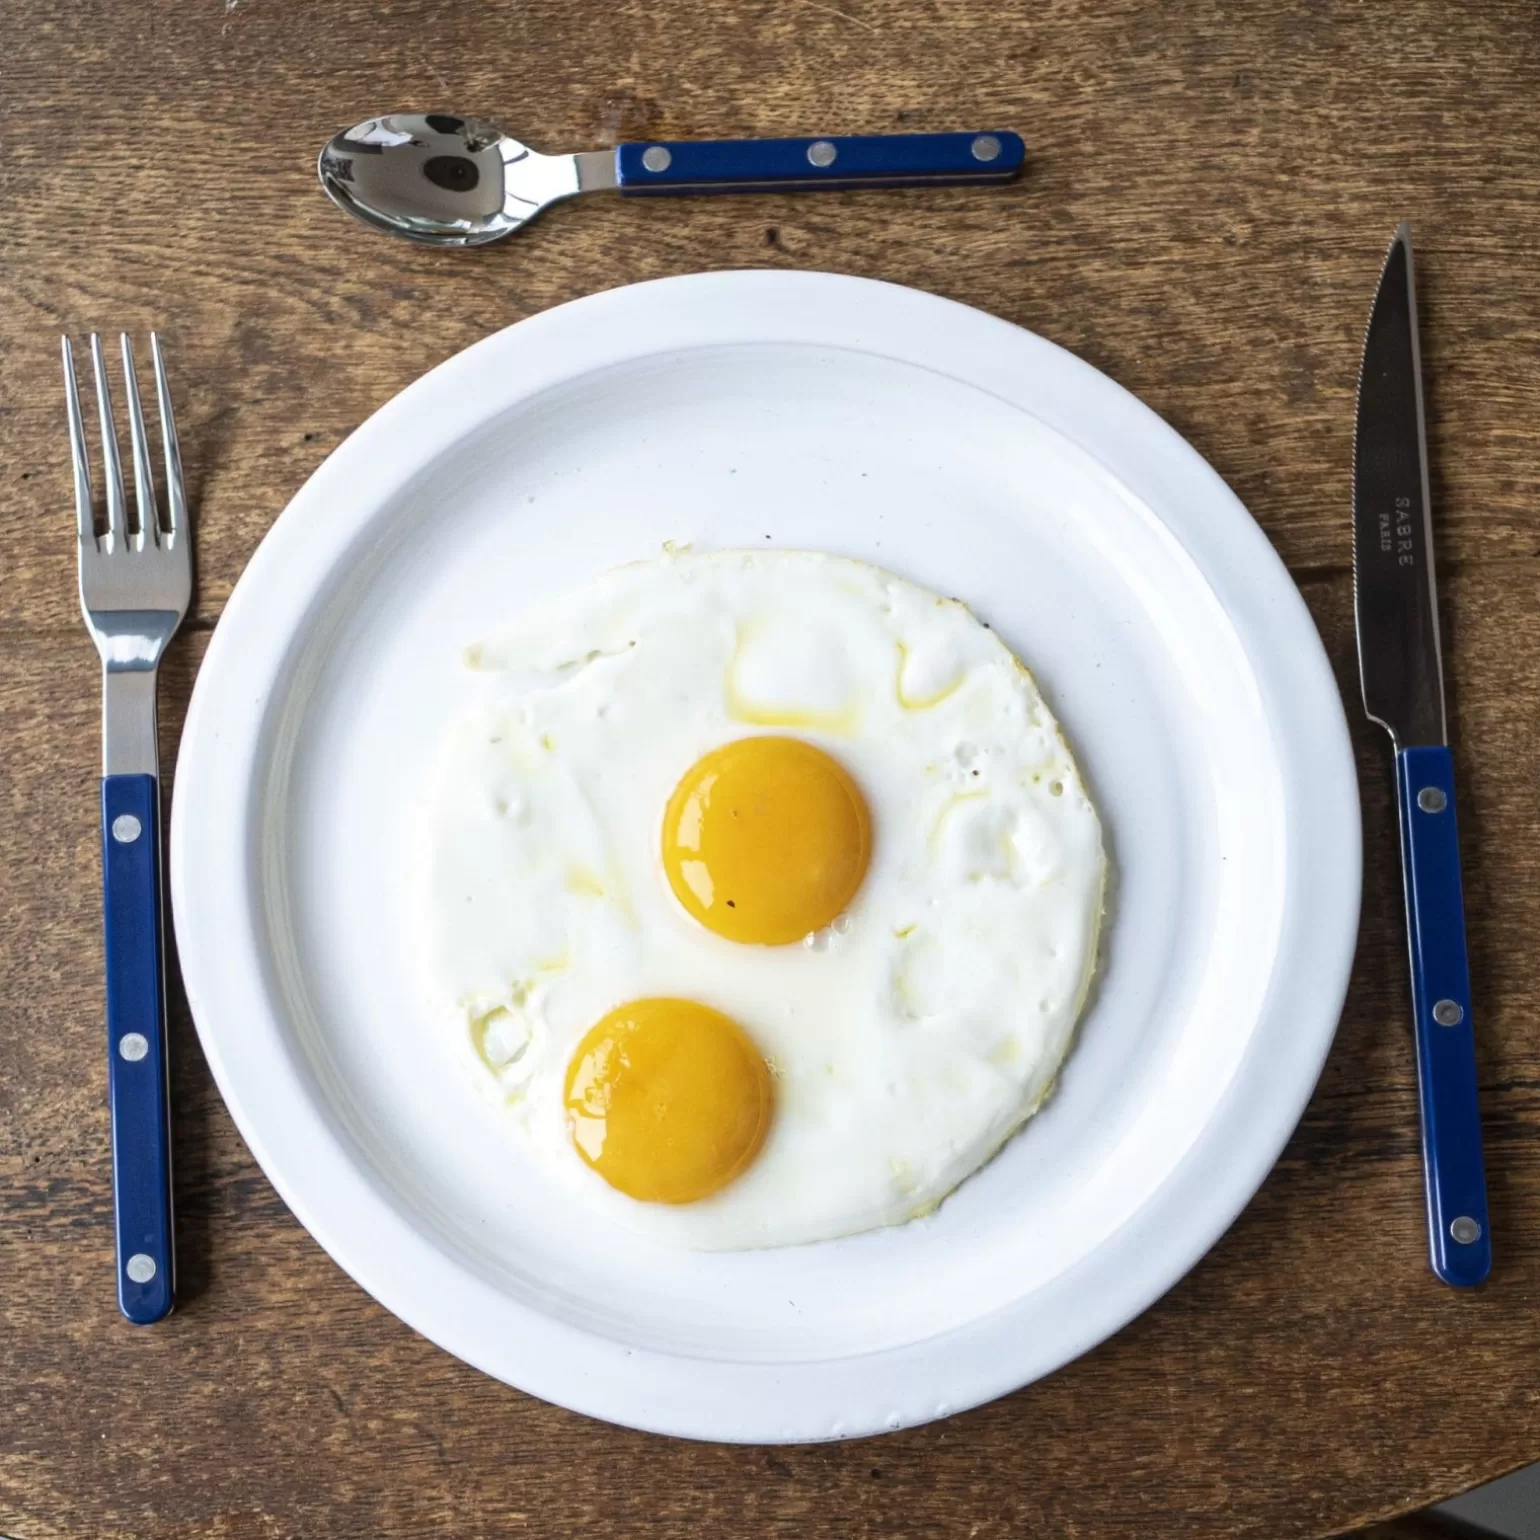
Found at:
(1459, 1232)
(137, 1088)
(863, 160)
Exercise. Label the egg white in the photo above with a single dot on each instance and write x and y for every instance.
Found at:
(909, 1040)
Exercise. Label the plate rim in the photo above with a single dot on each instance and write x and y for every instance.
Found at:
(340, 1203)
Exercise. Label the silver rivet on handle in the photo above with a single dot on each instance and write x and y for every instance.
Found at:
(821, 153)
(656, 157)
(1465, 1230)
(139, 1267)
(1431, 800)
(126, 828)
(986, 147)
(1447, 1013)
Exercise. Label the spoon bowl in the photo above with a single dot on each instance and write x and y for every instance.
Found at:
(443, 180)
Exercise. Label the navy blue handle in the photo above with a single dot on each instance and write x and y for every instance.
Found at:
(1459, 1232)
(136, 1048)
(862, 160)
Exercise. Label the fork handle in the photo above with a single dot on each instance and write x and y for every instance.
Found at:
(137, 1071)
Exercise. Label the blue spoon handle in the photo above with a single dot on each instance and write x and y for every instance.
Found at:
(863, 160)
(1459, 1232)
(136, 1047)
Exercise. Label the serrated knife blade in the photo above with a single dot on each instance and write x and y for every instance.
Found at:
(1396, 606)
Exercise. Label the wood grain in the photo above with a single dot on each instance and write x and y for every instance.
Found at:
(1211, 192)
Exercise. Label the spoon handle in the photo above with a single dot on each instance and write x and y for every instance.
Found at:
(796, 165)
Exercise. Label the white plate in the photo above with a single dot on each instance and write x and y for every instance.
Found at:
(801, 410)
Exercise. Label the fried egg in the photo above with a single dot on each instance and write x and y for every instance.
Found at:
(763, 890)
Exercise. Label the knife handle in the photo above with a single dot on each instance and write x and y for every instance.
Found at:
(1459, 1232)
(861, 160)
(137, 1089)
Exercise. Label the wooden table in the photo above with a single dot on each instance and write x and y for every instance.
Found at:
(1211, 193)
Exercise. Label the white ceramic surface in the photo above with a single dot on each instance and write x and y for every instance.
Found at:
(812, 411)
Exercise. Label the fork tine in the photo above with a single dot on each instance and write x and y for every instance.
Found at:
(85, 519)
(112, 466)
(176, 496)
(144, 477)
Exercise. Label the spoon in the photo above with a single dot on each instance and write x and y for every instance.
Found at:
(451, 181)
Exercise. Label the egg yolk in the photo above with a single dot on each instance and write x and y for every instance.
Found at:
(766, 840)
(668, 1100)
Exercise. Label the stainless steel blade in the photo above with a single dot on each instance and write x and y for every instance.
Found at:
(1394, 593)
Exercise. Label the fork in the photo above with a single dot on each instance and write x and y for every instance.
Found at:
(134, 588)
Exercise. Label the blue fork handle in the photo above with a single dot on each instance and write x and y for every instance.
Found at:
(1459, 1232)
(137, 1089)
(863, 160)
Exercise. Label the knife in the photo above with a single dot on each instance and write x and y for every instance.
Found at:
(1396, 605)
